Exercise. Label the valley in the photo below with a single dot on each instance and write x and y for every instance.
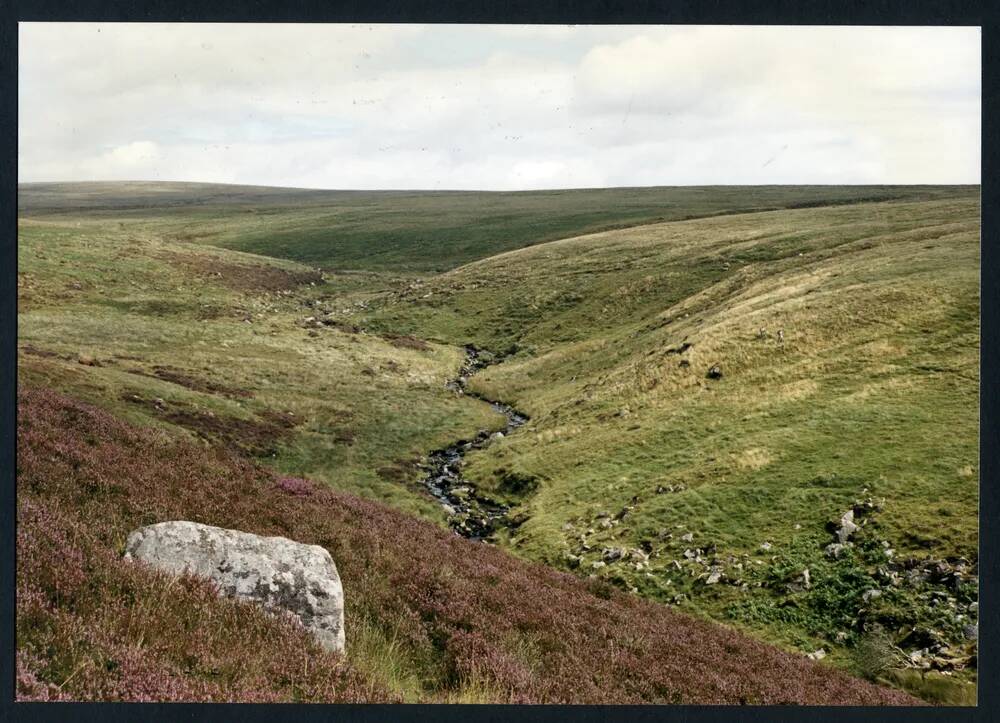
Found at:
(674, 395)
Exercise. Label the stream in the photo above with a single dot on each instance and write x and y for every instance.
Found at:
(470, 515)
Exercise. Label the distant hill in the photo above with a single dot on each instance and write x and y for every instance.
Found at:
(418, 231)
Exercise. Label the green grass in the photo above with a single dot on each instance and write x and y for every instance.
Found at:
(874, 390)
(411, 231)
(367, 409)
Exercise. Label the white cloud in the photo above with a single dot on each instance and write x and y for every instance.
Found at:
(502, 107)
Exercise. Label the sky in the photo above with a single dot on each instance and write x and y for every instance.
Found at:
(499, 107)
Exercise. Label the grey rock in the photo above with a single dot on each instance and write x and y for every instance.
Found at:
(971, 632)
(278, 573)
(836, 549)
(688, 537)
(869, 595)
(801, 582)
(847, 527)
(817, 654)
(611, 554)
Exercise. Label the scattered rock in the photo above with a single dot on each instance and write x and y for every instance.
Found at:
(847, 527)
(612, 554)
(689, 537)
(713, 577)
(765, 546)
(836, 549)
(801, 582)
(597, 564)
(278, 573)
(817, 654)
(638, 555)
(714, 372)
(869, 595)
(971, 632)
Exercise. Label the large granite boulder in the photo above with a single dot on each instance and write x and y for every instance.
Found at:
(277, 572)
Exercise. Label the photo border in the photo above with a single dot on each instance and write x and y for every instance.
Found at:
(825, 12)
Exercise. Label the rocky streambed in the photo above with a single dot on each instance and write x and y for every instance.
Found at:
(471, 515)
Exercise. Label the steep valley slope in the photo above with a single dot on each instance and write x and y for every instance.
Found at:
(843, 343)
(707, 397)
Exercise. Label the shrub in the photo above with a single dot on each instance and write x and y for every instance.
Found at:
(875, 653)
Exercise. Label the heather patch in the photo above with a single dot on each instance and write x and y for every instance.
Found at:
(199, 384)
(453, 615)
(258, 437)
(252, 278)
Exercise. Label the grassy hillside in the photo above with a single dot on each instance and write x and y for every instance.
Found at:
(409, 231)
(870, 393)
(636, 470)
(216, 344)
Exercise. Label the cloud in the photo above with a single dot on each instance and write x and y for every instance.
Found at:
(503, 107)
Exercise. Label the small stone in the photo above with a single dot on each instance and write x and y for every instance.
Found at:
(598, 564)
(836, 549)
(817, 654)
(869, 595)
(713, 578)
(765, 546)
(714, 372)
(971, 632)
(689, 537)
(611, 554)
(974, 608)
(847, 527)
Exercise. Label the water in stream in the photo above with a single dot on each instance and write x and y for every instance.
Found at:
(471, 516)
